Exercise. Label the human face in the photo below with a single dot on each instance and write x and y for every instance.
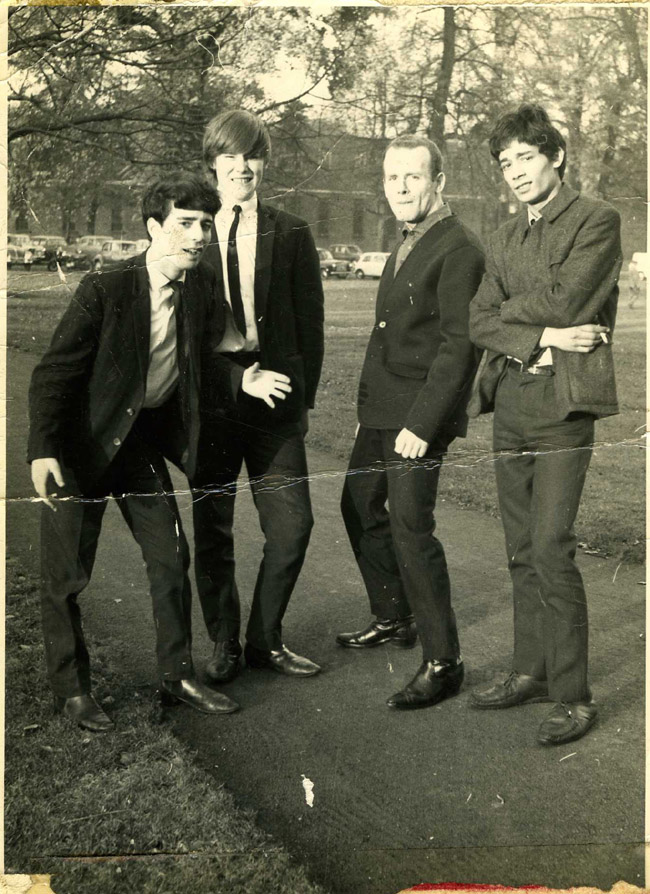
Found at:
(178, 242)
(532, 176)
(411, 192)
(238, 177)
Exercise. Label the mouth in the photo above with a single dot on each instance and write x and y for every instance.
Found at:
(194, 253)
(523, 186)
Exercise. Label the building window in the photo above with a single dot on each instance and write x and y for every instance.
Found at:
(358, 220)
(324, 214)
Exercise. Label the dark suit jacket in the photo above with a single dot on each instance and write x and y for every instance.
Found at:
(289, 312)
(570, 281)
(420, 363)
(89, 387)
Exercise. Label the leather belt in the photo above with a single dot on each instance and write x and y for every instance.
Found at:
(513, 363)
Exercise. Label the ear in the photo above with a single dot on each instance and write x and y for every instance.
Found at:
(153, 227)
(559, 158)
(440, 181)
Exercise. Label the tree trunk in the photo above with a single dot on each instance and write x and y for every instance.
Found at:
(438, 102)
(612, 138)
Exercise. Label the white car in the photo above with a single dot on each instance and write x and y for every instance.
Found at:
(371, 263)
(638, 272)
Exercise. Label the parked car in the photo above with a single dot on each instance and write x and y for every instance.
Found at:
(112, 252)
(68, 258)
(330, 267)
(90, 245)
(346, 251)
(46, 246)
(21, 241)
(638, 272)
(15, 255)
(371, 263)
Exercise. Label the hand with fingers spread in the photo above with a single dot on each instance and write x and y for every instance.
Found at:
(409, 445)
(41, 471)
(265, 384)
(577, 339)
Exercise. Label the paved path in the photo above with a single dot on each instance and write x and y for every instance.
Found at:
(443, 794)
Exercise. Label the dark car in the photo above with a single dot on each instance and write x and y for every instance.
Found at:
(346, 251)
(67, 258)
(331, 267)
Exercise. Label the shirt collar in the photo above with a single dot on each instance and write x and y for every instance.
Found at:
(558, 204)
(423, 226)
(247, 207)
(157, 278)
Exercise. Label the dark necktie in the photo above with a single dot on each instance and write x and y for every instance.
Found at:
(182, 345)
(233, 275)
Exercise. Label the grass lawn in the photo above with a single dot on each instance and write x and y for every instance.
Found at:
(612, 517)
(125, 811)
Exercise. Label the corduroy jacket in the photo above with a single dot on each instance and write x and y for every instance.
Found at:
(570, 280)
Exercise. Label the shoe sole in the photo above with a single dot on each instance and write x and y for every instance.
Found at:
(566, 739)
(168, 700)
(414, 706)
(538, 699)
(215, 678)
(394, 643)
(271, 667)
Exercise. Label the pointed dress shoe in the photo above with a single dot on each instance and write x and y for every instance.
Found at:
(400, 632)
(282, 661)
(434, 682)
(566, 723)
(85, 712)
(224, 664)
(196, 695)
(517, 689)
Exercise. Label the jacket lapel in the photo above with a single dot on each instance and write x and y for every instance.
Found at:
(266, 224)
(141, 310)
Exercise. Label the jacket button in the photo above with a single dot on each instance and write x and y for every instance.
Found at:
(382, 325)
(117, 442)
(130, 411)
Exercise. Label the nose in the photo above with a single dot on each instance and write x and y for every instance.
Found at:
(241, 163)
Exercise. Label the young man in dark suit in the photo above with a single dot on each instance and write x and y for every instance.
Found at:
(545, 312)
(268, 270)
(116, 393)
(414, 387)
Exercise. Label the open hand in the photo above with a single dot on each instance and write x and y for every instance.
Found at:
(41, 471)
(265, 384)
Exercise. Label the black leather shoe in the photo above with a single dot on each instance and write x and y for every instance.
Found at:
(517, 689)
(224, 664)
(566, 723)
(400, 632)
(196, 695)
(433, 683)
(283, 661)
(85, 712)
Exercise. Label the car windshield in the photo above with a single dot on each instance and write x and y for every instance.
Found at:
(325, 255)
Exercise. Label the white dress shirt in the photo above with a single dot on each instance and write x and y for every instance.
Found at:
(233, 340)
(162, 373)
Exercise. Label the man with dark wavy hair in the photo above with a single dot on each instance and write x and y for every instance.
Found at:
(268, 270)
(116, 394)
(545, 312)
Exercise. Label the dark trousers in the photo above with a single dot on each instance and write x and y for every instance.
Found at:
(139, 481)
(402, 562)
(277, 471)
(541, 464)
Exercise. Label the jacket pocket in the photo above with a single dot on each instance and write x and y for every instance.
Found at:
(403, 369)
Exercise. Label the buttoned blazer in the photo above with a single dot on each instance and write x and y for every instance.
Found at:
(575, 282)
(420, 363)
(288, 311)
(90, 385)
